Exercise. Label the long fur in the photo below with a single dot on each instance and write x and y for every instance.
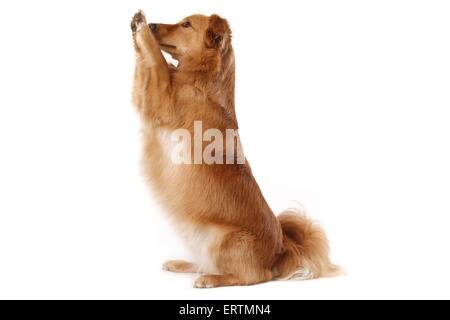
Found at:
(306, 254)
(218, 210)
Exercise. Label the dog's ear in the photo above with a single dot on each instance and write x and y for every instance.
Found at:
(218, 30)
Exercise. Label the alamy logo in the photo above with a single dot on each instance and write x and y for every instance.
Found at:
(209, 147)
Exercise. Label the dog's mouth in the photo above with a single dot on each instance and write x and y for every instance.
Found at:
(168, 51)
(167, 46)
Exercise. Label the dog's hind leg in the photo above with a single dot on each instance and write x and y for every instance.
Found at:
(237, 262)
(180, 266)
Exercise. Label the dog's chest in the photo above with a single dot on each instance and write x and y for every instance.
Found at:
(166, 144)
(200, 240)
(169, 153)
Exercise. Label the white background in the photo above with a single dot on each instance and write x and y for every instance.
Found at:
(343, 106)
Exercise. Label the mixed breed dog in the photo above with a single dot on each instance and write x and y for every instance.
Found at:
(216, 204)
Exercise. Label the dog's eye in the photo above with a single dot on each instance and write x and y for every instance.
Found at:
(186, 24)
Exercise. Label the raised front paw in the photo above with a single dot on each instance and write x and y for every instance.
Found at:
(138, 21)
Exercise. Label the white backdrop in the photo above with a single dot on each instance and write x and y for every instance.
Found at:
(343, 106)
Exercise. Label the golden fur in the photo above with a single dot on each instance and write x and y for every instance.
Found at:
(218, 209)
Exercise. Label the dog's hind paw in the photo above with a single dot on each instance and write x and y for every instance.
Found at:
(138, 21)
(180, 266)
(204, 282)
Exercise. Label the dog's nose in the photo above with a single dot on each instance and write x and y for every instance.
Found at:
(153, 26)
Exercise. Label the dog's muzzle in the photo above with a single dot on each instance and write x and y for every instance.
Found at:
(153, 26)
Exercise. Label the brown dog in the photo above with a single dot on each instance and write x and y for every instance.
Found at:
(218, 208)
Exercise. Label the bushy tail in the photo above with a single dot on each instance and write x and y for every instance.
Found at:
(306, 254)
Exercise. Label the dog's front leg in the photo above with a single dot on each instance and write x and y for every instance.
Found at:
(152, 87)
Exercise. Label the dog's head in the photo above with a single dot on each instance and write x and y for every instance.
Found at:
(192, 36)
